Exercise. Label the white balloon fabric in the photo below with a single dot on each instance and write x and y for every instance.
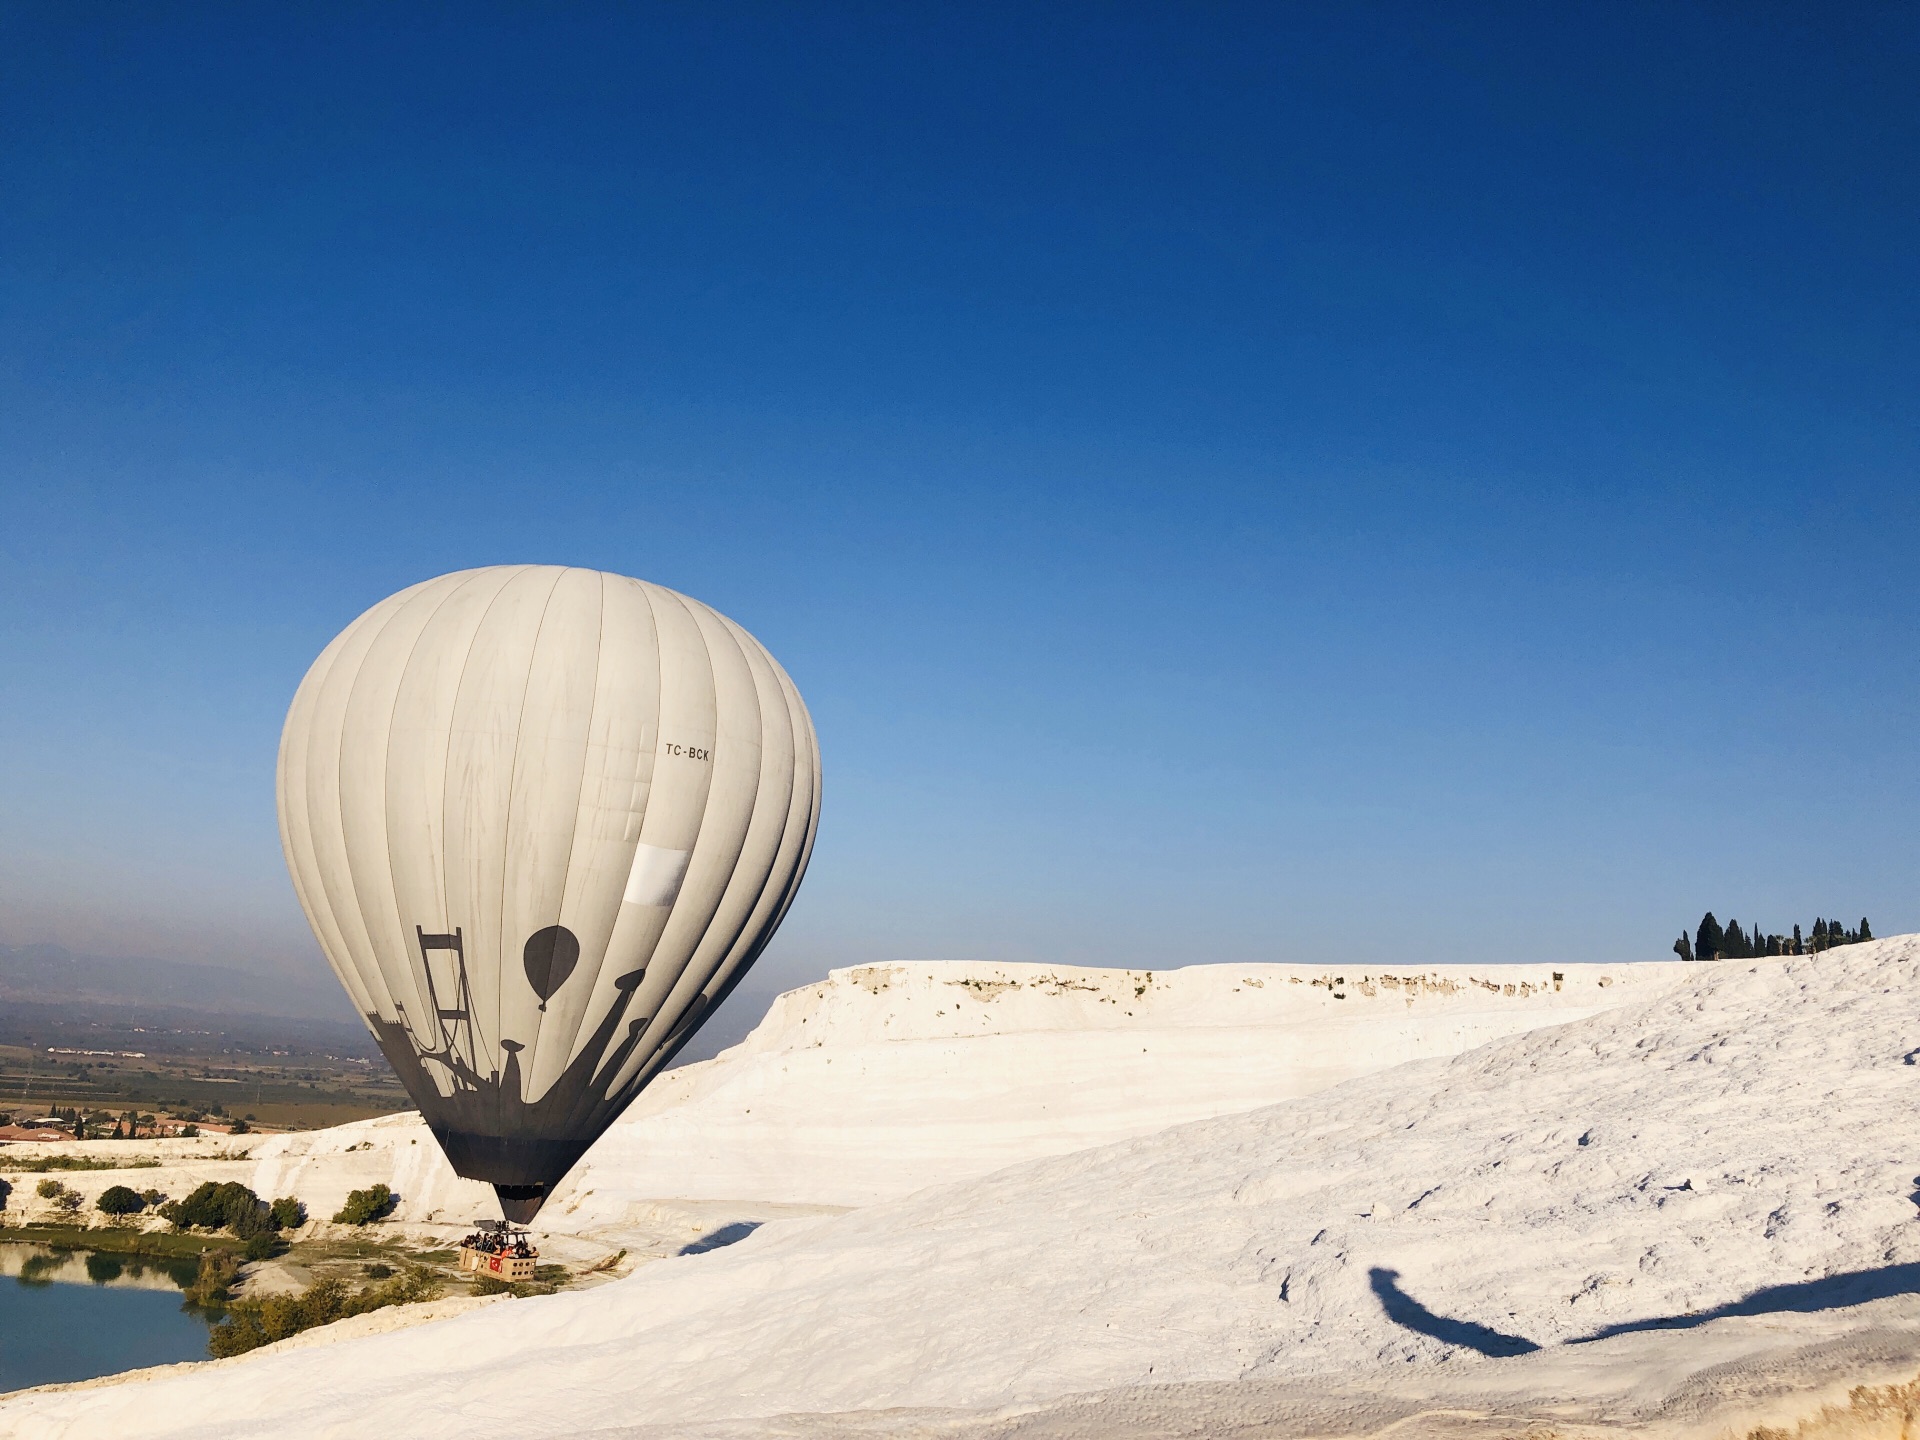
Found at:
(542, 820)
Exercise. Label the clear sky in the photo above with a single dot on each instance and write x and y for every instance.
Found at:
(1400, 482)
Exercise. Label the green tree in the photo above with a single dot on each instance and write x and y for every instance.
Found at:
(230, 1206)
(120, 1200)
(1866, 930)
(1683, 947)
(1708, 939)
(365, 1206)
(289, 1213)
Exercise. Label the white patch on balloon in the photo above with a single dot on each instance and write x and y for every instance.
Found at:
(656, 876)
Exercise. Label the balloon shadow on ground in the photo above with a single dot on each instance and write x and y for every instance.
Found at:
(1833, 1292)
(719, 1239)
(1406, 1311)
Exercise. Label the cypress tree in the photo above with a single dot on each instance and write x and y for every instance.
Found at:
(1683, 947)
(1707, 940)
(1734, 946)
(1799, 945)
(1866, 930)
(1819, 934)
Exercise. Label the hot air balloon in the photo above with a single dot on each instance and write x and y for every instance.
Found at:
(542, 820)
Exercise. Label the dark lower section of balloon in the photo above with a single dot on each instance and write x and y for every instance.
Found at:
(521, 1169)
(535, 1143)
(520, 1203)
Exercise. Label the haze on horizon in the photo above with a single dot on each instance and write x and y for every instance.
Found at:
(1238, 484)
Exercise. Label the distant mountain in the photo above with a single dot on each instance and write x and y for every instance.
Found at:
(51, 974)
(97, 989)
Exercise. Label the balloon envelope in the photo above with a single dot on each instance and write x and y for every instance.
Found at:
(542, 820)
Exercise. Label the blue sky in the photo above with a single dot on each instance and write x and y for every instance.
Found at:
(1269, 483)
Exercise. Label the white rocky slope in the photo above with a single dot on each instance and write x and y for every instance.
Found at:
(884, 1079)
(1744, 1142)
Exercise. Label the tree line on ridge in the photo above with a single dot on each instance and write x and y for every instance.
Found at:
(1710, 942)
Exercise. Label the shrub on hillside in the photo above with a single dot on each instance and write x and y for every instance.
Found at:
(289, 1213)
(231, 1206)
(120, 1200)
(253, 1323)
(365, 1206)
(67, 1202)
(218, 1271)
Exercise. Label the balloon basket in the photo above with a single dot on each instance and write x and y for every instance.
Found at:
(498, 1250)
(511, 1268)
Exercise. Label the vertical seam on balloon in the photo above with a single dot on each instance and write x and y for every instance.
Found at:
(459, 685)
(653, 771)
(566, 870)
(506, 835)
(805, 857)
(283, 790)
(659, 687)
(746, 919)
(329, 898)
(727, 627)
(585, 1105)
(706, 802)
(339, 794)
(659, 704)
(386, 761)
(802, 725)
(760, 724)
(282, 794)
(694, 845)
(757, 943)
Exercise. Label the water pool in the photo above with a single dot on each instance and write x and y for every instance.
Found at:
(75, 1314)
